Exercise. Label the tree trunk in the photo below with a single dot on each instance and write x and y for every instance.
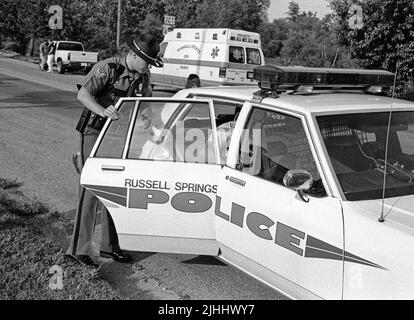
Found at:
(30, 48)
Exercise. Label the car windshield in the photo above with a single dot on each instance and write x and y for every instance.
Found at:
(356, 145)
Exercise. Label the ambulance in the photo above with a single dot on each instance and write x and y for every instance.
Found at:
(208, 57)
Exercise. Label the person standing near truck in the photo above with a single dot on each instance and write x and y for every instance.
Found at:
(108, 80)
(43, 52)
(51, 55)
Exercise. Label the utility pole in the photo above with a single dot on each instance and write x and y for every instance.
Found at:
(118, 25)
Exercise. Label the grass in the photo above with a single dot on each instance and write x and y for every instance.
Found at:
(31, 258)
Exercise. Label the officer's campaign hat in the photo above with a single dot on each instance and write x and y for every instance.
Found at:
(146, 46)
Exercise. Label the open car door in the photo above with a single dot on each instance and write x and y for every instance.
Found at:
(156, 170)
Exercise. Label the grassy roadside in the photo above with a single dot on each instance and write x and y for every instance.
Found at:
(32, 264)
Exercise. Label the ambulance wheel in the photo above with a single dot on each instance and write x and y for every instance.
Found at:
(60, 67)
(193, 83)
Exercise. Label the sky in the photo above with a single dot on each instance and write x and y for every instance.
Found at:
(278, 8)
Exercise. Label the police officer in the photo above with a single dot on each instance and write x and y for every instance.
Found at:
(102, 87)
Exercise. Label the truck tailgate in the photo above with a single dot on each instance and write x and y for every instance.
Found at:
(78, 56)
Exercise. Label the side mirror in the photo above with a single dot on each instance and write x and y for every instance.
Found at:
(299, 180)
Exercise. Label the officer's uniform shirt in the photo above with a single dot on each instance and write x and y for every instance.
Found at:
(103, 84)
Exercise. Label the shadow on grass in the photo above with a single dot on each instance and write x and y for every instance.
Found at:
(29, 254)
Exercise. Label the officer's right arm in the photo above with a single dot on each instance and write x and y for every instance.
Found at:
(88, 100)
(94, 82)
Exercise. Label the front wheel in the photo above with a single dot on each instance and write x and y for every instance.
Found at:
(60, 67)
(193, 83)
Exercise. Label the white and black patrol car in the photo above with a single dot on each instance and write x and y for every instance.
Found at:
(306, 183)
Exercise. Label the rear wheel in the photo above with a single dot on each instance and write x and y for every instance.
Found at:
(193, 83)
(60, 67)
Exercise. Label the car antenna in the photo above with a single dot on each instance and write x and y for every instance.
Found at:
(382, 219)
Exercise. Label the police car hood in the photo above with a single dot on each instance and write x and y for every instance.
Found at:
(399, 209)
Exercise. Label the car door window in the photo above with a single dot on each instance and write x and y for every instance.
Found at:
(273, 143)
(226, 113)
(112, 145)
(179, 132)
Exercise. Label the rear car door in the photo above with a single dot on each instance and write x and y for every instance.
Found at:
(266, 228)
(156, 170)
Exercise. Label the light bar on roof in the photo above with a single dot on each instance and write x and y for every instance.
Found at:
(283, 78)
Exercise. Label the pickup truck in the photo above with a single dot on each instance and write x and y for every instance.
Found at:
(71, 55)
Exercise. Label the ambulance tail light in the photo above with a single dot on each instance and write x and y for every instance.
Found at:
(222, 72)
(68, 56)
(250, 75)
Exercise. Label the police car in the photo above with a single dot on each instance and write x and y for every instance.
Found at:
(305, 183)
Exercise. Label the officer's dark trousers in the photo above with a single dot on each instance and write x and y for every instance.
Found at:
(86, 212)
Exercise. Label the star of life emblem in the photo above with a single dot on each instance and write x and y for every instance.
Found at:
(215, 52)
(237, 54)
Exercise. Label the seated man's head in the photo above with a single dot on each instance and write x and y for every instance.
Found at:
(143, 52)
(144, 119)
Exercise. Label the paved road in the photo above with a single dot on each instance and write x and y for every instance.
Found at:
(38, 112)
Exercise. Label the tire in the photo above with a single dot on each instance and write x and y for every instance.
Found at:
(193, 83)
(60, 67)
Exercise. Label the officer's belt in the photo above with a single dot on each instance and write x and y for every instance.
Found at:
(96, 122)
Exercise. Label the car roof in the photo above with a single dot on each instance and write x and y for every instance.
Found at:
(324, 102)
(69, 41)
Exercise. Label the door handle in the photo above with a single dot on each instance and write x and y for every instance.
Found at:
(236, 181)
(112, 168)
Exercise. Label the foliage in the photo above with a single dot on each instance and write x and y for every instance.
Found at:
(28, 252)
(23, 20)
(386, 38)
(235, 14)
(304, 39)
(94, 22)
(293, 11)
(273, 35)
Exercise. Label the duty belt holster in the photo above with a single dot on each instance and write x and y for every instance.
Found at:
(88, 118)
(83, 120)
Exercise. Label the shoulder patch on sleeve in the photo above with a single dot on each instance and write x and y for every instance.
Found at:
(100, 73)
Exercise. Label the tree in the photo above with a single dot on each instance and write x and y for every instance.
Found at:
(293, 11)
(24, 21)
(385, 39)
(236, 14)
(184, 12)
(246, 15)
(309, 40)
(273, 35)
(140, 14)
